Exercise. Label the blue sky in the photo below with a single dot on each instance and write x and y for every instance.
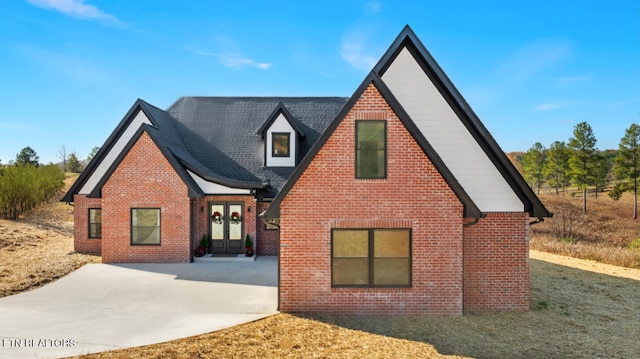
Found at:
(71, 69)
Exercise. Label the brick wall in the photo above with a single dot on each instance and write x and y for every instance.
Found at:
(413, 195)
(81, 241)
(496, 263)
(268, 239)
(145, 179)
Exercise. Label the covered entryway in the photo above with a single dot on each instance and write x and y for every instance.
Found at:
(226, 227)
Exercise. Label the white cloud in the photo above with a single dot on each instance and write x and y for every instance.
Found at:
(546, 106)
(77, 9)
(234, 60)
(356, 47)
(353, 53)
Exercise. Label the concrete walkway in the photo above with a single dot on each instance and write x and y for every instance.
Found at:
(103, 307)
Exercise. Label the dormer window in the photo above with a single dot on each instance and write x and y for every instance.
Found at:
(282, 134)
(280, 144)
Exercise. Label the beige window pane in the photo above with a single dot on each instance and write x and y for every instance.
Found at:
(146, 217)
(350, 243)
(146, 235)
(350, 271)
(391, 271)
(391, 243)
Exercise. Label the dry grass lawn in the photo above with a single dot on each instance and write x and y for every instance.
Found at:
(38, 248)
(606, 233)
(579, 309)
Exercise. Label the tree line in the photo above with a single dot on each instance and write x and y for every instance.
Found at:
(24, 186)
(580, 163)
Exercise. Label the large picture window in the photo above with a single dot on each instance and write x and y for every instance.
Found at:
(371, 149)
(280, 144)
(95, 223)
(145, 226)
(371, 257)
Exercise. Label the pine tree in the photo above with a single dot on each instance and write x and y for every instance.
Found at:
(533, 164)
(581, 160)
(556, 168)
(27, 156)
(73, 165)
(627, 164)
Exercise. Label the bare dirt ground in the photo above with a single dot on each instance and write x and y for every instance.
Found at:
(38, 248)
(579, 309)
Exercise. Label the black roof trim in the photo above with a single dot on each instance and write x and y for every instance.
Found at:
(471, 210)
(139, 105)
(281, 109)
(219, 179)
(407, 38)
(193, 188)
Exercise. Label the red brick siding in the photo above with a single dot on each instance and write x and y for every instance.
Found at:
(145, 179)
(268, 239)
(81, 241)
(202, 221)
(496, 263)
(414, 195)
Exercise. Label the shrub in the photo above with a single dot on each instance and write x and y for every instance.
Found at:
(23, 187)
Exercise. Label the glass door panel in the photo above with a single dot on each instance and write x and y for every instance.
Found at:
(217, 228)
(235, 244)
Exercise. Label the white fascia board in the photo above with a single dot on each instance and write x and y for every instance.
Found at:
(208, 187)
(113, 154)
(448, 136)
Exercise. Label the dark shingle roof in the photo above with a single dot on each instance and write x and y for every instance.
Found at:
(218, 136)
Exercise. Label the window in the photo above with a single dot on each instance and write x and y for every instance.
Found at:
(145, 226)
(95, 223)
(280, 144)
(371, 257)
(371, 149)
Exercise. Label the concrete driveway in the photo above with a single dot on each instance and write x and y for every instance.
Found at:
(103, 307)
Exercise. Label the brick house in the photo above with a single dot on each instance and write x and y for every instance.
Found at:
(395, 200)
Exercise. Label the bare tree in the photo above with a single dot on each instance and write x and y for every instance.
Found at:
(62, 154)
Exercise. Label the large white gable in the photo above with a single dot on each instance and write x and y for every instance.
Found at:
(448, 136)
(113, 154)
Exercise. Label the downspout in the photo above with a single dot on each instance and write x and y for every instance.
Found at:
(538, 220)
(465, 225)
(469, 224)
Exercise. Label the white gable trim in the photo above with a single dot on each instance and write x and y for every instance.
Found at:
(113, 154)
(208, 187)
(281, 125)
(448, 136)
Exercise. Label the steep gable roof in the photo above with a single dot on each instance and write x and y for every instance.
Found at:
(470, 209)
(211, 137)
(281, 109)
(443, 143)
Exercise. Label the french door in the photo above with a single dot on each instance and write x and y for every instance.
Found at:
(227, 227)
